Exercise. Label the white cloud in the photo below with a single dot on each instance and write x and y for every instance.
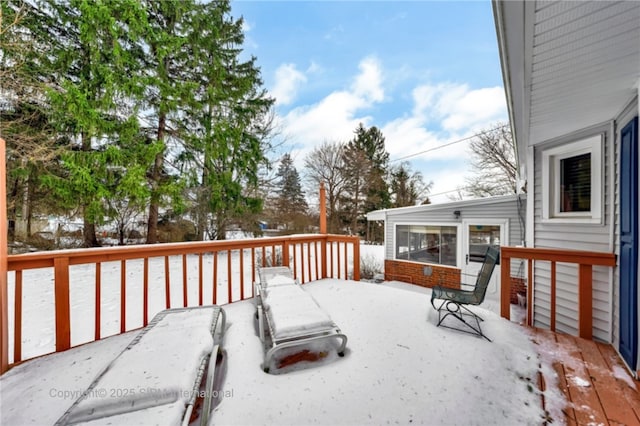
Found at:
(439, 114)
(337, 115)
(288, 80)
(368, 83)
(454, 110)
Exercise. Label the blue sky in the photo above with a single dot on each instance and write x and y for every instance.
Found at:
(426, 73)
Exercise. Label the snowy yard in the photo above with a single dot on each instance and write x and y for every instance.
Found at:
(398, 368)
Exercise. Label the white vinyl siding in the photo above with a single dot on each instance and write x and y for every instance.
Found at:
(573, 236)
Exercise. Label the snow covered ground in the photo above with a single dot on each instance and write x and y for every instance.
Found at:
(398, 368)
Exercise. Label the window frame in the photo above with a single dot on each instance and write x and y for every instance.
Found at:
(551, 159)
(455, 225)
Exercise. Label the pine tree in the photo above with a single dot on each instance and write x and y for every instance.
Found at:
(291, 205)
(93, 92)
(167, 91)
(366, 163)
(226, 121)
(407, 187)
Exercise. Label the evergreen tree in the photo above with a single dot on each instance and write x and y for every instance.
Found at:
(23, 119)
(290, 204)
(226, 121)
(366, 163)
(91, 50)
(407, 187)
(167, 91)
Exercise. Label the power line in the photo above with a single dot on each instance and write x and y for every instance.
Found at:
(447, 144)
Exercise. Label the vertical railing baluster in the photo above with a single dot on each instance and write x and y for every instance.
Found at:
(553, 296)
(315, 258)
(530, 295)
(17, 319)
(338, 259)
(215, 277)
(167, 283)
(98, 319)
(123, 296)
(295, 265)
(229, 280)
(323, 256)
(62, 309)
(200, 280)
(309, 260)
(241, 274)
(145, 291)
(253, 269)
(185, 288)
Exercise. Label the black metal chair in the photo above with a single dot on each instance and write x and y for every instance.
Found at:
(455, 301)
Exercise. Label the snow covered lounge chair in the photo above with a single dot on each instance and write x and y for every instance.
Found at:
(159, 376)
(293, 317)
(455, 301)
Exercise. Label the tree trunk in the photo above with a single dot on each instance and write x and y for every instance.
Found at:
(89, 234)
(156, 174)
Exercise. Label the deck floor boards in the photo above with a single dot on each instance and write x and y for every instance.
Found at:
(596, 385)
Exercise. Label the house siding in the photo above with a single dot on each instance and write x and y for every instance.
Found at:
(576, 236)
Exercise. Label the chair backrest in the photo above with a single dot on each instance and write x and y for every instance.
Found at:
(275, 275)
(484, 276)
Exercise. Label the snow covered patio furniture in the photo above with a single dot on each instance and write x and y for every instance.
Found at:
(455, 300)
(289, 317)
(159, 374)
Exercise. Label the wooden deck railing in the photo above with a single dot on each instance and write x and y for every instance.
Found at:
(223, 271)
(585, 260)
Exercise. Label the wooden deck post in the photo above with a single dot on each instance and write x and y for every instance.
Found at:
(4, 303)
(505, 286)
(356, 261)
(585, 301)
(63, 311)
(323, 209)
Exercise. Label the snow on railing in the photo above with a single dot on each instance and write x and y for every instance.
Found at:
(83, 295)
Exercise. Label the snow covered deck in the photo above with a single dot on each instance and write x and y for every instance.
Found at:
(399, 367)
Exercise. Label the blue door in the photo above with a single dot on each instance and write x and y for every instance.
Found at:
(629, 243)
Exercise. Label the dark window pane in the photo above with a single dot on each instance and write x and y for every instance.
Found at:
(575, 183)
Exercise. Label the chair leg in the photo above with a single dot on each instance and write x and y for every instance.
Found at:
(456, 310)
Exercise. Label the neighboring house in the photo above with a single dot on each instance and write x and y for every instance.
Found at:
(434, 243)
(572, 75)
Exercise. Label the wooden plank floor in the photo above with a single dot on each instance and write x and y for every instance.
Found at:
(597, 387)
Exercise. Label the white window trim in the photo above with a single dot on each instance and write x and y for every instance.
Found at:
(551, 181)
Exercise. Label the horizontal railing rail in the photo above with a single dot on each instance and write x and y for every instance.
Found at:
(585, 260)
(160, 276)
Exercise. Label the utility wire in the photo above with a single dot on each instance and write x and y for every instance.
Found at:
(446, 144)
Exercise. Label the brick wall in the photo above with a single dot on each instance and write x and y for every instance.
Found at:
(518, 285)
(413, 272)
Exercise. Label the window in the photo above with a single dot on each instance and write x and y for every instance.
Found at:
(572, 182)
(427, 244)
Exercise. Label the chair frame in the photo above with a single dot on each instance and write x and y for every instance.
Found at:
(455, 300)
(273, 345)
